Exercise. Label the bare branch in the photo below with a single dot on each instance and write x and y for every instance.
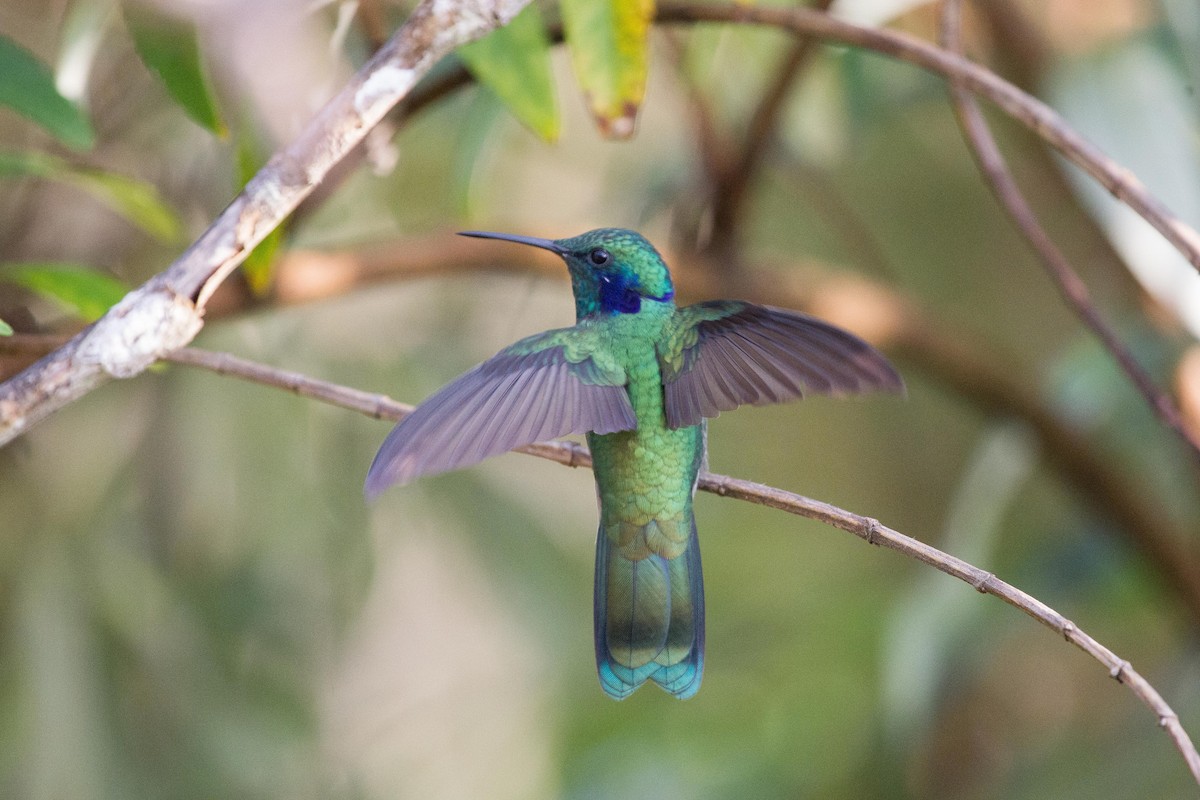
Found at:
(984, 382)
(879, 314)
(1072, 288)
(873, 532)
(167, 312)
(866, 528)
(1027, 110)
(1023, 53)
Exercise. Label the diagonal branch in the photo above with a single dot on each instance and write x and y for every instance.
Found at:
(1072, 288)
(1027, 110)
(1023, 53)
(886, 318)
(866, 528)
(167, 311)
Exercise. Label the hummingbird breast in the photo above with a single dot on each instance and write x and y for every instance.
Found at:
(649, 473)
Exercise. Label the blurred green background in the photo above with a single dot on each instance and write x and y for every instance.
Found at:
(196, 602)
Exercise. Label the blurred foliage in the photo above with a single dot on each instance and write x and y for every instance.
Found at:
(610, 52)
(514, 62)
(135, 200)
(85, 292)
(28, 88)
(170, 49)
(195, 601)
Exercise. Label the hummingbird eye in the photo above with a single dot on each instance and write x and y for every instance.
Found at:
(599, 257)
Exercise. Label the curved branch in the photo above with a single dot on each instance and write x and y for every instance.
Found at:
(881, 315)
(165, 313)
(866, 528)
(1072, 288)
(1029, 111)
(1023, 52)
(949, 361)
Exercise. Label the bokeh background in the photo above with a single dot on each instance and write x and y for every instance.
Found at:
(195, 601)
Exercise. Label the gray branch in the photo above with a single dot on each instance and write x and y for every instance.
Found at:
(167, 312)
(868, 529)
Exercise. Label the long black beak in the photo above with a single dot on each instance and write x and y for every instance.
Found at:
(545, 244)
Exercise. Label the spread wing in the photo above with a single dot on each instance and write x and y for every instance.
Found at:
(719, 355)
(543, 387)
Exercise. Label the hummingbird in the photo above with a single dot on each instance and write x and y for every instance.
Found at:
(639, 376)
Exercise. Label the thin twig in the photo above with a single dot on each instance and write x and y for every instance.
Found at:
(899, 325)
(715, 151)
(166, 312)
(730, 166)
(873, 532)
(1024, 55)
(1027, 110)
(1072, 288)
(866, 528)
(986, 384)
(764, 122)
(880, 314)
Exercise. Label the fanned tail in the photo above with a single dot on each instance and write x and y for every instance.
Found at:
(649, 607)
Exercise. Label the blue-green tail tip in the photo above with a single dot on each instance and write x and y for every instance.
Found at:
(681, 680)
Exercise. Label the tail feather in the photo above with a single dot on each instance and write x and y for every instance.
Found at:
(649, 621)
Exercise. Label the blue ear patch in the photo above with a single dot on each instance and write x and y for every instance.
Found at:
(617, 295)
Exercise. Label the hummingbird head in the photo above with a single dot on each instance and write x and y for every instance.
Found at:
(613, 270)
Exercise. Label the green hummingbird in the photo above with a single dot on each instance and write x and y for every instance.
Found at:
(638, 376)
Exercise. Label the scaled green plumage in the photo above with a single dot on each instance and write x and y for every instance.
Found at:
(638, 376)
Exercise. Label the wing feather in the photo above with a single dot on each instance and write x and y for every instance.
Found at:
(774, 357)
(724, 354)
(541, 388)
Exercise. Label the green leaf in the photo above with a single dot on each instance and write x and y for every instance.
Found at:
(137, 201)
(514, 63)
(82, 290)
(5, 328)
(609, 52)
(27, 87)
(170, 49)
